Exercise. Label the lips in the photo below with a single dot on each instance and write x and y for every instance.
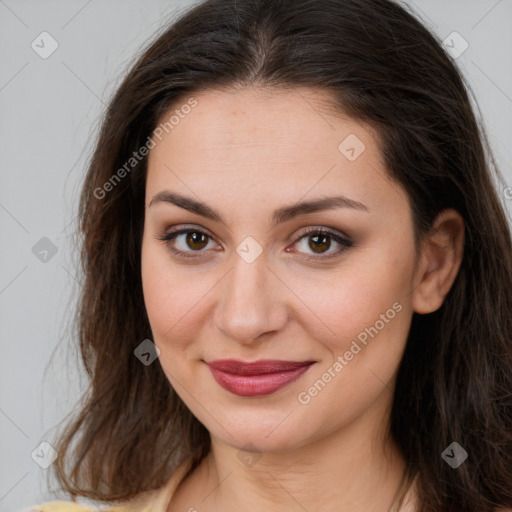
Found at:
(258, 378)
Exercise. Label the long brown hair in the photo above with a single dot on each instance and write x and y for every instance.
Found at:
(383, 67)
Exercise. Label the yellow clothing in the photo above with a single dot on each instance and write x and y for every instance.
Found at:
(156, 500)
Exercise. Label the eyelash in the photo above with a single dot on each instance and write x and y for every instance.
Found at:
(344, 242)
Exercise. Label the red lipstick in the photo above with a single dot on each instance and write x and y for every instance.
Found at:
(259, 378)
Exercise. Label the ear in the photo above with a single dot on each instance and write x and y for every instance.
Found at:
(439, 261)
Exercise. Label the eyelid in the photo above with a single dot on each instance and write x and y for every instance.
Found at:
(322, 229)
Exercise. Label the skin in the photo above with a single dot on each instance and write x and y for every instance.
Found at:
(245, 153)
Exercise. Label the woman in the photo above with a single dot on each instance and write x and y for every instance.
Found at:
(297, 274)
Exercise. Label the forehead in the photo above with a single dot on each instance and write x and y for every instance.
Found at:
(266, 142)
(284, 119)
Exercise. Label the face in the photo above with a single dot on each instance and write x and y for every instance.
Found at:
(249, 276)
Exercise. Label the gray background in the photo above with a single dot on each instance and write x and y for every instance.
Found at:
(50, 111)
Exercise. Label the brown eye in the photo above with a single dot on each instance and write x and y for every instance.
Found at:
(319, 243)
(186, 242)
(320, 240)
(196, 240)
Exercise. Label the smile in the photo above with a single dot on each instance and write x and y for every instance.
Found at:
(259, 378)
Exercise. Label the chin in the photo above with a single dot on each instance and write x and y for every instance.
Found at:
(263, 433)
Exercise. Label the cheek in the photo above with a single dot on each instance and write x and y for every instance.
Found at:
(160, 290)
(173, 298)
(169, 302)
(369, 314)
(352, 299)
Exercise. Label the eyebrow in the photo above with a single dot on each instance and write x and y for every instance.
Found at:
(278, 216)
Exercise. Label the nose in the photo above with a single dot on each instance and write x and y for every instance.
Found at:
(252, 302)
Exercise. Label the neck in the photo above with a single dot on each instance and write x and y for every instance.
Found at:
(356, 469)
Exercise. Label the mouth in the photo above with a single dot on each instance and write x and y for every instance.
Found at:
(259, 378)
